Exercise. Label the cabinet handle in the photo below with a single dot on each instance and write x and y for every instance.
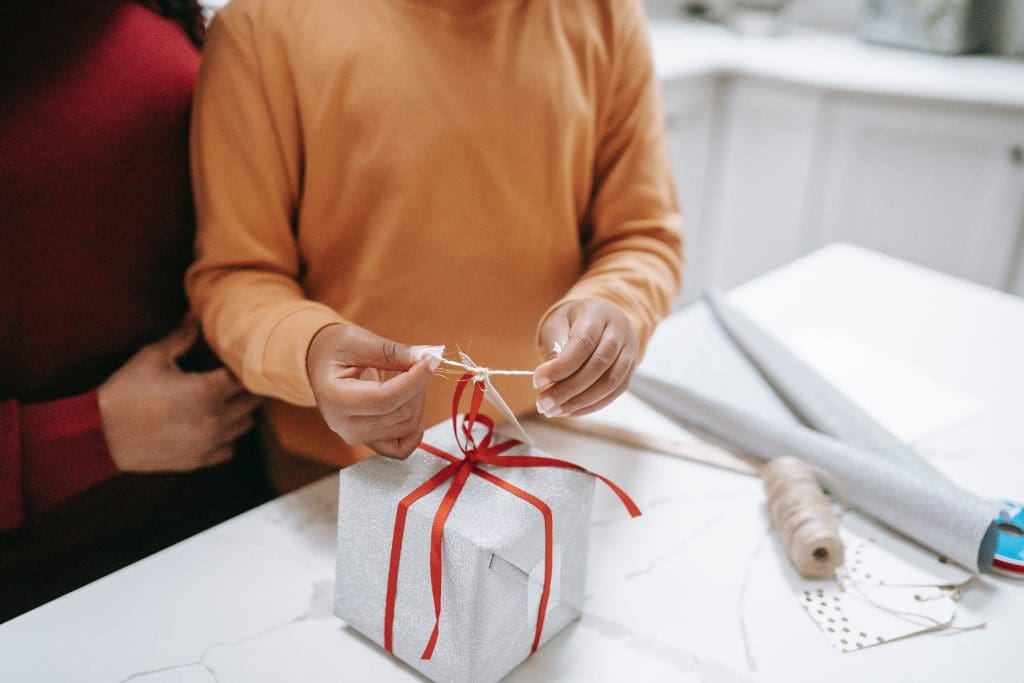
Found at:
(1017, 154)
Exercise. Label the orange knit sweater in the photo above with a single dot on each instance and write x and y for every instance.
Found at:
(437, 172)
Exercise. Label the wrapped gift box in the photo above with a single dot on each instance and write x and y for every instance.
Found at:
(492, 559)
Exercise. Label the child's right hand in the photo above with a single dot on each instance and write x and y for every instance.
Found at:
(343, 363)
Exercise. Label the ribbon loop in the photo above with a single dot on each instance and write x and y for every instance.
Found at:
(475, 453)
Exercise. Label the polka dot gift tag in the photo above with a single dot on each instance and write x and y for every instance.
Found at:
(886, 590)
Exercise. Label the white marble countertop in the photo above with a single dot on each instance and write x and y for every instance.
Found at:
(696, 589)
(835, 63)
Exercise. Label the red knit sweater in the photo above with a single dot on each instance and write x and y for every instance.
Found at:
(96, 225)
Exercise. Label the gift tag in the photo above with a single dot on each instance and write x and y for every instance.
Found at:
(854, 616)
(492, 396)
(887, 589)
(879, 557)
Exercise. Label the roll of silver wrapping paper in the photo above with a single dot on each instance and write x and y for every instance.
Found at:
(928, 509)
(811, 398)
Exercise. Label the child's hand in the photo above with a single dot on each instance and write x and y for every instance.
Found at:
(598, 349)
(343, 363)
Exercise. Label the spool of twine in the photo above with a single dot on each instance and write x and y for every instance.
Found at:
(802, 515)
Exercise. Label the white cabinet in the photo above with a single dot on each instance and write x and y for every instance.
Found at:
(764, 152)
(689, 121)
(936, 184)
(1018, 286)
(769, 170)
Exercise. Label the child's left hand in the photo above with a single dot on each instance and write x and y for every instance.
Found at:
(598, 350)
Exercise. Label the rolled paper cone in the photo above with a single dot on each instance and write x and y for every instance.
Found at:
(810, 396)
(801, 514)
(930, 510)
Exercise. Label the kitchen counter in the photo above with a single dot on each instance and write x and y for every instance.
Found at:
(835, 62)
(695, 589)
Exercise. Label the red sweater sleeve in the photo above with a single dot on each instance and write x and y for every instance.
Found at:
(50, 452)
(12, 506)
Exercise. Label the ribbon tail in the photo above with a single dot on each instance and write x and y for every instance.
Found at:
(627, 502)
(436, 537)
(540, 461)
(426, 487)
(476, 399)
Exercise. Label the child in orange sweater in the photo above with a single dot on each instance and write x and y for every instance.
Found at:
(490, 174)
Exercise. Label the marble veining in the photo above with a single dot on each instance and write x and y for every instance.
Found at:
(320, 607)
(742, 602)
(674, 550)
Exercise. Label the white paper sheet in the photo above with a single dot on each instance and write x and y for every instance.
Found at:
(907, 402)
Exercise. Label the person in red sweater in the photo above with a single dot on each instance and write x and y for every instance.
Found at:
(96, 223)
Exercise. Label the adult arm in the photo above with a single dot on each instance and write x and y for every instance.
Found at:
(49, 452)
(149, 416)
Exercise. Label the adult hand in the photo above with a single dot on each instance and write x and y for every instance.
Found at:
(598, 351)
(158, 418)
(343, 364)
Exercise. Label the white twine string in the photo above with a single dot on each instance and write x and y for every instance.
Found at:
(467, 365)
(954, 593)
(482, 372)
(483, 375)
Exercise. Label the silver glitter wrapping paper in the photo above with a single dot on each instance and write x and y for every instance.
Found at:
(816, 402)
(928, 509)
(493, 543)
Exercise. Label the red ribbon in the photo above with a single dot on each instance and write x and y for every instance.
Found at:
(458, 471)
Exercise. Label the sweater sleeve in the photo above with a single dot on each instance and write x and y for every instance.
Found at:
(12, 502)
(49, 452)
(633, 234)
(246, 163)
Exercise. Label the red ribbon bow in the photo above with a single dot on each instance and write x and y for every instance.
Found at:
(458, 470)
